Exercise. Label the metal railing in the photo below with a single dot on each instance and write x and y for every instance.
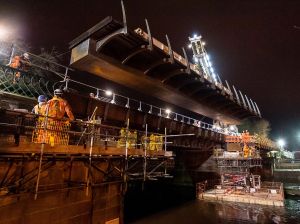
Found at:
(221, 154)
(266, 189)
(91, 134)
(33, 85)
(287, 164)
(48, 130)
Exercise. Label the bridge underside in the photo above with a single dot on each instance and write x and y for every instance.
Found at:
(146, 65)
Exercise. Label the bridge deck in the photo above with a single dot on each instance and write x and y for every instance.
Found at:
(148, 66)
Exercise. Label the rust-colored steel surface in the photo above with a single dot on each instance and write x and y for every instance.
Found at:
(79, 182)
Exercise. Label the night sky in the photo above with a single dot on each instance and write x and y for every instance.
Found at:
(253, 44)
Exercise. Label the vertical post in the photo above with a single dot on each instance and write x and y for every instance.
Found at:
(66, 74)
(243, 100)
(254, 109)
(236, 95)
(90, 155)
(257, 109)
(171, 55)
(124, 17)
(188, 67)
(165, 139)
(219, 79)
(149, 35)
(165, 150)
(145, 154)
(11, 54)
(41, 153)
(126, 158)
(113, 101)
(150, 110)
(127, 104)
(126, 139)
(126, 149)
(89, 170)
(248, 102)
(228, 87)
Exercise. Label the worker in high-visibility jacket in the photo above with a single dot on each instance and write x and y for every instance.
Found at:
(40, 108)
(20, 62)
(57, 129)
(57, 107)
(152, 143)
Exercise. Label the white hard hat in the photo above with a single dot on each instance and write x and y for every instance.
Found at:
(58, 92)
(26, 55)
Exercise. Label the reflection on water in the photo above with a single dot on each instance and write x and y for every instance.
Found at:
(216, 212)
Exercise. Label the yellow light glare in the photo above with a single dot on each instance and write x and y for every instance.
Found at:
(108, 92)
(3, 32)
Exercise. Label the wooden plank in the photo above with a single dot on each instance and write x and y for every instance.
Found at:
(73, 149)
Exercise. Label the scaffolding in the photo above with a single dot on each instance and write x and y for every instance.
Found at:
(130, 155)
(235, 163)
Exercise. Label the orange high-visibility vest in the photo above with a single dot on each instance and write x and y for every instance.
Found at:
(16, 62)
(58, 107)
(40, 109)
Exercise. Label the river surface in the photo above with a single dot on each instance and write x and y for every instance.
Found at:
(197, 211)
(177, 206)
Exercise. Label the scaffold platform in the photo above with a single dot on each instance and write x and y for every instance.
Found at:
(271, 194)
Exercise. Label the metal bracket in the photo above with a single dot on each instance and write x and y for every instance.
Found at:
(150, 41)
(170, 50)
(188, 67)
(124, 17)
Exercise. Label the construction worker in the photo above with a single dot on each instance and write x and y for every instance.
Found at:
(40, 108)
(20, 62)
(57, 106)
(57, 129)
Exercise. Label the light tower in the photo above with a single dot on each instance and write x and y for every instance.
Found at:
(201, 57)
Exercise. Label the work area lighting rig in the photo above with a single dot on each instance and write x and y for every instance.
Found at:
(201, 57)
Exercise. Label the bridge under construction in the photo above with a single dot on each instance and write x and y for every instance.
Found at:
(79, 171)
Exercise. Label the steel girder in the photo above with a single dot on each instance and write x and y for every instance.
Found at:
(133, 57)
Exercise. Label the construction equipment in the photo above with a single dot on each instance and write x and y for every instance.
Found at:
(243, 142)
(235, 163)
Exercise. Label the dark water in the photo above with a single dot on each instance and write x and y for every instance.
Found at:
(173, 204)
(210, 212)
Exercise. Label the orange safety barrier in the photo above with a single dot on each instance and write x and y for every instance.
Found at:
(51, 131)
(245, 137)
(233, 139)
